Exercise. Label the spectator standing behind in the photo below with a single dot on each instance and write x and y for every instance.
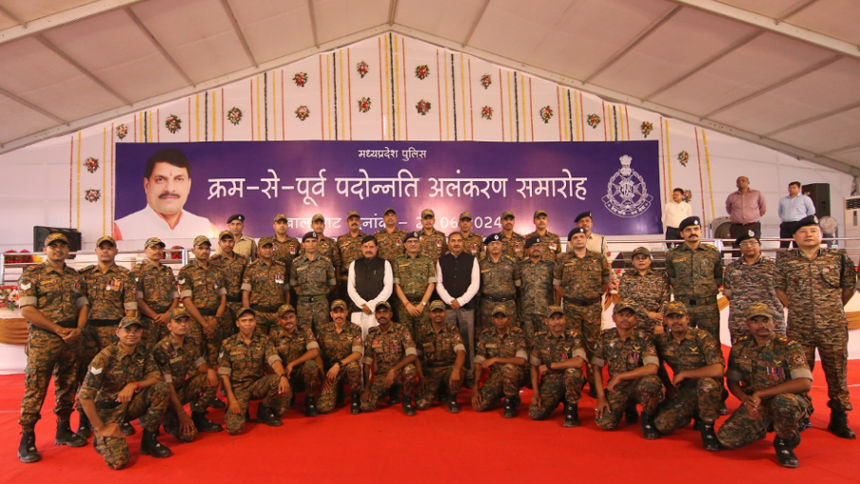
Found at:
(745, 207)
(673, 212)
(792, 208)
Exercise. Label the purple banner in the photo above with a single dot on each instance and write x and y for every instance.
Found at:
(617, 181)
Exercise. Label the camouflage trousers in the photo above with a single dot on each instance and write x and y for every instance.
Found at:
(412, 323)
(705, 316)
(738, 325)
(532, 323)
(585, 320)
(93, 340)
(700, 396)
(209, 345)
(376, 389)
(266, 321)
(198, 393)
(504, 380)
(832, 345)
(48, 354)
(312, 312)
(436, 380)
(646, 390)
(485, 313)
(554, 387)
(228, 320)
(153, 332)
(331, 388)
(149, 405)
(265, 388)
(784, 411)
(305, 377)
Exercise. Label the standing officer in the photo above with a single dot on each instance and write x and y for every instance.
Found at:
(580, 278)
(536, 290)
(241, 364)
(514, 243)
(749, 279)
(432, 241)
(473, 243)
(501, 351)
(201, 287)
(123, 383)
(442, 357)
(632, 360)
(326, 246)
(340, 343)
(286, 248)
(697, 365)
(594, 242)
(648, 289)
(549, 239)
(300, 350)
(816, 284)
(156, 291)
(232, 266)
(312, 276)
(769, 375)
(245, 246)
(349, 246)
(557, 358)
(390, 239)
(265, 286)
(414, 281)
(500, 278)
(52, 298)
(188, 378)
(389, 359)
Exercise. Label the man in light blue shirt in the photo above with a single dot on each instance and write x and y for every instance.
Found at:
(791, 209)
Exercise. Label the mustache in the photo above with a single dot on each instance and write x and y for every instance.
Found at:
(169, 195)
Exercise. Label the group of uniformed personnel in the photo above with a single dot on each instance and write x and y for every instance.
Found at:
(123, 342)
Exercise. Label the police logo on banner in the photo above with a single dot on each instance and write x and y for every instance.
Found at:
(626, 193)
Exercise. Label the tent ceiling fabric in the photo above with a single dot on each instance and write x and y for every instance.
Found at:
(782, 73)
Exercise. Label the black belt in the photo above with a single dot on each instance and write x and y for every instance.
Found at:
(68, 324)
(315, 297)
(107, 404)
(101, 323)
(159, 310)
(264, 309)
(207, 312)
(415, 300)
(235, 298)
(497, 299)
(581, 302)
(698, 302)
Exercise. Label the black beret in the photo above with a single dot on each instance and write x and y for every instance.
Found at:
(805, 221)
(497, 237)
(582, 216)
(238, 217)
(749, 234)
(574, 231)
(534, 239)
(411, 235)
(310, 235)
(689, 221)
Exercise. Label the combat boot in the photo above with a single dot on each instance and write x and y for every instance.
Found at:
(709, 438)
(203, 424)
(311, 407)
(453, 406)
(27, 452)
(268, 416)
(648, 430)
(408, 407)
(839, 425)
(393, 396)
(510, 408)
(785, 452)
(150, 445)
(571, 415)
(126, 428)
(631, 414)
(355, 406)
(85, 430)
(65, 436)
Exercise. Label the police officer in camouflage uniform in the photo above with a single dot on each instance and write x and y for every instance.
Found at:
(389, 359)
(557, 358)
(340, 344)
(241, 366)
(648, 289)
(502, 351)
(156, 291)
(697, 363)
(513, 243)
(816, 284)
(188, 378)
(326, 246)
(390, 239)
(123, 383)
(536, 289)
(769, 375)
(312, 275)
(750, 279)
(232, 266)
(414, 281)
(442, 354)
(349, 246)
(299, 349)
(473, 243)
(432, 241)
(286, 248)
(500, 278)
(551, 241)
(632, 360)
(52, 298)
(201, 287)
(265, 286)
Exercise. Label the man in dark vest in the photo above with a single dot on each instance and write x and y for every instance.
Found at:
(458, 278)
(370, 280)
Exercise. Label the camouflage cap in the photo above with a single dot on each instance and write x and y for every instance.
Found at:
(465, 215)
(689, 221)
(200, 240)
(675, 307)
(427, 213)
(179, 312)
(381, 305)
(310, 235)
(411, 235)
(318, 217)
(56, 236)
(226, 234)
(540, 213)
(339, 304)
(129, 321)
(759, 309)
(554, 310)
(286, 308)
(245, 309)
(152, 242)
(507, 214)
(389, 210)
(352, 213)
(264, 241)
(437, 305)
(534, 239)
(641, 251)
(105, 238)
(499, 309)
(279, 217)
(497, 237)
(804, 222)
(624, 304)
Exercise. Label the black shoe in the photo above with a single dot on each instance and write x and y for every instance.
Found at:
(510, 408)
(203, 424)
(839, 425)
(27, 452)
(393, 396)
(126, 428)
(709, 438)
(648, 430)
(268, 416)
(571, 415)
(311, 407)
(217, 403)
(65, 436)
(785, 452)
(408, 408)
(697, 423)
(85, 430)
(631, 414)
(355, 406)
(453, 406)
(804, 424)
(149, 445)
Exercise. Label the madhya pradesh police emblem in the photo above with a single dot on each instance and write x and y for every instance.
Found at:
(626, 193)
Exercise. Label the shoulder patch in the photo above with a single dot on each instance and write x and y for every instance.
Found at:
(96, 371)
(25, 286)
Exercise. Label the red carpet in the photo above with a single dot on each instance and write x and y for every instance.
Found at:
(386, 446)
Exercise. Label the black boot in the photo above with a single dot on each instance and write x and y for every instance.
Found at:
(785, 453)
(393, 396)
(150, 445)
(453, 406)
(571, 415)
(203, 424)
(355, 406)
(510, 408)
(709, 438)
(697, 423)
(268, 416)
(648, 430)
(311, 407)
(65, 436)
(85, 430)
(839, 425)
(408, 407)
(631, 414)
(126, 428)
(27, 452)
(804, 424)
